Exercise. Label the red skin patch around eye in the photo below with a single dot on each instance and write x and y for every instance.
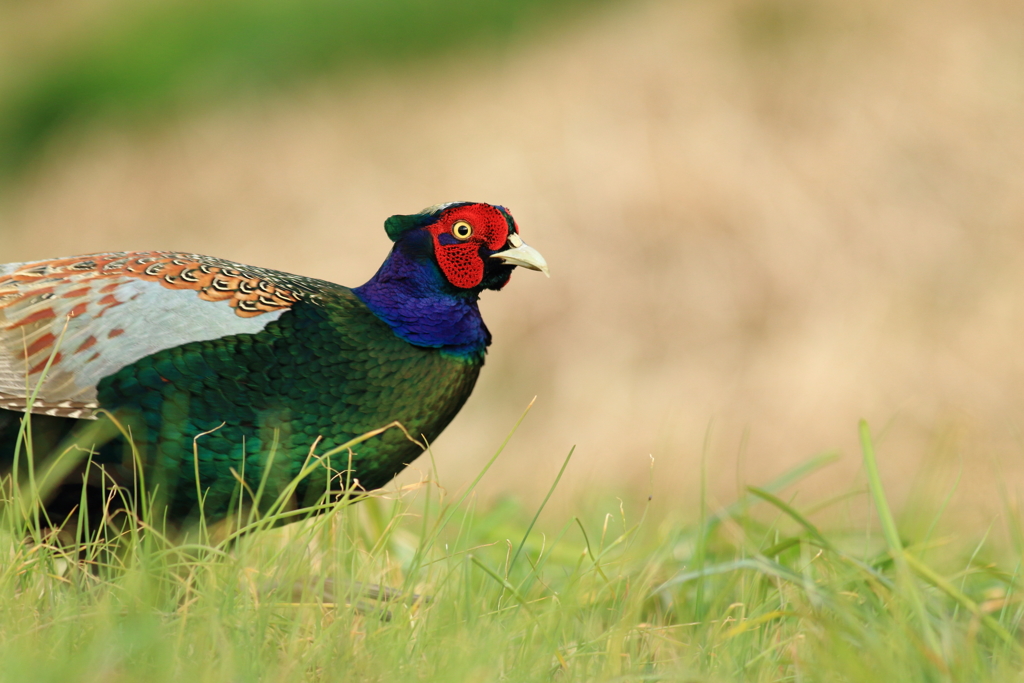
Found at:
(461, 263)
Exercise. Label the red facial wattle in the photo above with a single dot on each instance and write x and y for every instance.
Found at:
(460, 260)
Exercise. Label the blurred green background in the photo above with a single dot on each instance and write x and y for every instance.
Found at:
(140, 61)
(765, 218)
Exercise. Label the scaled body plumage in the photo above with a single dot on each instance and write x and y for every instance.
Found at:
(199, 356)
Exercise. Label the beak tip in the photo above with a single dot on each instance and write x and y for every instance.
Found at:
(525, 256)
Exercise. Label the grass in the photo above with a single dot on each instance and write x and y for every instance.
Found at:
(754, 592)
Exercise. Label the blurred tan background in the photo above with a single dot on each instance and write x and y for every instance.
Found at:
(765, 220)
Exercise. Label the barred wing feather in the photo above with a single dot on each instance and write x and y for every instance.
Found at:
(89, 316)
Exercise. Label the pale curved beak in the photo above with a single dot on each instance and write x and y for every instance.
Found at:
(522, 254)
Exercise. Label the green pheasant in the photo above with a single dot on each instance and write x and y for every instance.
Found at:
(244, 374)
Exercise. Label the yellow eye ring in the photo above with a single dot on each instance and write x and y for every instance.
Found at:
(462, 230)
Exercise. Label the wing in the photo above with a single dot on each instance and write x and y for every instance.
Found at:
(93, 315)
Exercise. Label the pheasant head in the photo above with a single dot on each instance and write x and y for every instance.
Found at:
(475, 246)
(443, 257)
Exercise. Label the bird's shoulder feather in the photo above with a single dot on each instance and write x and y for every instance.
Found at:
(82, 318)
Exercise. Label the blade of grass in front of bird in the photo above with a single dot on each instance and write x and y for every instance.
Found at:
(276, 511)
(535, 569)
(25, 433)
(782, 546)
(781, 482)
(472, 486)
(760, 565)
(970, 560)
(700, 549)
(551, 490)
(829, 502)
(447, 511)
(552, 644)
(892, 539)
(589, 550)
(416, 562)
(791, 512)
(934, 578)
(620, 539)
(204, 532)
(314, 462)
(254, 515)
(942, 508)
(815, 534)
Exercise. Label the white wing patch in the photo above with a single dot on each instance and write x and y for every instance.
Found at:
(92, 327)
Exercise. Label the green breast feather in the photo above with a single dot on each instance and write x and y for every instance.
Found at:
(319, 376)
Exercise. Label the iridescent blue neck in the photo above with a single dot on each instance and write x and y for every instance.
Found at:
(411, 296)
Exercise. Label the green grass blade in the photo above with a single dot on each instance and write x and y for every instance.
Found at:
(932, 577)
(785, 480)
(451, 511)
(529, 528)
(892, 538)
(792, 514)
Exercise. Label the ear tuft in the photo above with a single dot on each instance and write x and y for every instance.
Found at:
(396, 226)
